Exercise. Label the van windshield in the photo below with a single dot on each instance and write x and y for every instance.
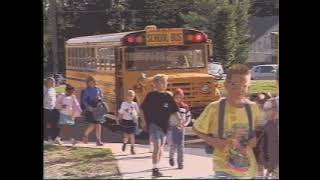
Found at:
(161, 58)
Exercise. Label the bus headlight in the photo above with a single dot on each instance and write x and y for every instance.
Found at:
(205, 88)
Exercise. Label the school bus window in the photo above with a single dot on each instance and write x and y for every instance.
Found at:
(158, 58)
(106, 58)
(87, 53)
(76, 62)
(81, 52)
(82, 62)
(71, 53)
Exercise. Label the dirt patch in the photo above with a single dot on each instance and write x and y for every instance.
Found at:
(76, 162)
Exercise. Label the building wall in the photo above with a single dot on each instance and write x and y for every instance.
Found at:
(261, 51)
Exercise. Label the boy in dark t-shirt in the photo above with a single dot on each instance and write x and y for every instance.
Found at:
(157, 107)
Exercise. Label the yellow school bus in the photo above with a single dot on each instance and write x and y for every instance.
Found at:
(128, 60)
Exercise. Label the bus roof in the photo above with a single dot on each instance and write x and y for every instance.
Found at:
(115, 38)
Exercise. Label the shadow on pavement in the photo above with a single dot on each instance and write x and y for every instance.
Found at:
(133, 157)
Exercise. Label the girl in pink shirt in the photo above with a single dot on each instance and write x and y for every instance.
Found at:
(69, 108)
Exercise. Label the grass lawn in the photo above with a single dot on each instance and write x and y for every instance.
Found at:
(60, 89)
(258, 86)
(62, 162)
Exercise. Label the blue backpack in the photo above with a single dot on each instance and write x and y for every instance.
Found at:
(222, 106)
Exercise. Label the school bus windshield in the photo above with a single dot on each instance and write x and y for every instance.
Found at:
(161, 58)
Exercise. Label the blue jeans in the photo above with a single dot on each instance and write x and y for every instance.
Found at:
(176, 143)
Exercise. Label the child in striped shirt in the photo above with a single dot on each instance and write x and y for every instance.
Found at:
(176, 130)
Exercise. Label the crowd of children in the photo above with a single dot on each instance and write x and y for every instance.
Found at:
(165, 116)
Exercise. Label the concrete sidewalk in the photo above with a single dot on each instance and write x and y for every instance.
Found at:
(197, 164)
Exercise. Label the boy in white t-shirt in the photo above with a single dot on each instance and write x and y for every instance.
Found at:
(128, 117)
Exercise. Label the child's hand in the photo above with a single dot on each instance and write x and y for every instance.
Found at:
(145, 128)
(217, 142)
(252, 142)
(181, 125)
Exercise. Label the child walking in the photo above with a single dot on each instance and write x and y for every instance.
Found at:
(51, 114)
(156, 108)
(69, 109)
(128, 117)
(175, 131)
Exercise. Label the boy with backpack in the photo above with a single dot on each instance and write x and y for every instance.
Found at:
(228, 125)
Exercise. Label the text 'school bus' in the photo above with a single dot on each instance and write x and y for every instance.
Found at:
(123, 61)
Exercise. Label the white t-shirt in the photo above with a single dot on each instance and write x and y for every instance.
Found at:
(271, 107)
(129, 110)
(49, 99)
(68, 102)
(184, 114)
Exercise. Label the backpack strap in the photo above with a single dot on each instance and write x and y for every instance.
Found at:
(222, 108)
(250, 118)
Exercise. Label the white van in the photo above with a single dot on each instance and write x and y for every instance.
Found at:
(216, 70)
(265, 72)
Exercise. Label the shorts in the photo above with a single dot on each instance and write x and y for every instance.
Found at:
(51, 116)
(128, 126)
(90, 118)
(157, 136)
(66, 120)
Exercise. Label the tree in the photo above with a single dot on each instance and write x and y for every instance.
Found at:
(166, 13)
(117, 16)
(226, 24)
(242, 29)
(225, 35)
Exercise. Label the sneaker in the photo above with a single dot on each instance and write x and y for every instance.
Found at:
(85, 140)
(132, 150)
(58, 141)
(50, 141)
(156, 172)
(99, 143)
(73, 141)
(171, 162)
(123, 147)
(180, 166)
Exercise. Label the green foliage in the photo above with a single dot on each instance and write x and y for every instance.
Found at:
(226, 24)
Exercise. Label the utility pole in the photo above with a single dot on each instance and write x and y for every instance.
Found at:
(53, 32)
